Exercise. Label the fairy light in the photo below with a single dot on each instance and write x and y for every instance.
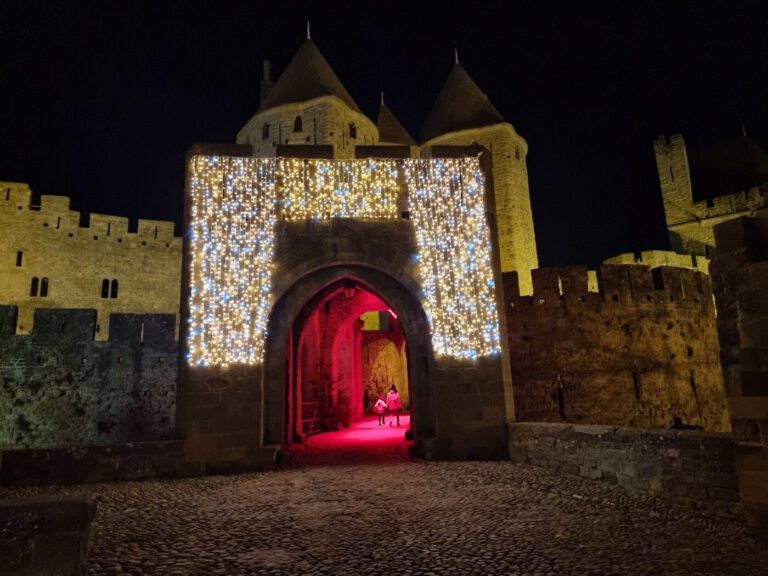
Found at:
(447, 202)
(235, 203)
(322, 189)
(232, 241)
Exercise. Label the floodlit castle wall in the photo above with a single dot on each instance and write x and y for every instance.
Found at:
(642, 352)
(690, 223)
(324, 121)
(47, 241)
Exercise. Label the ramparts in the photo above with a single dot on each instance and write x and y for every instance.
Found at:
(48, 259)
(60, 387)
(641, 352)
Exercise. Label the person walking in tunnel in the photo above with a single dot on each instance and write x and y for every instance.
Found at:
(381, 409)
(394, 405)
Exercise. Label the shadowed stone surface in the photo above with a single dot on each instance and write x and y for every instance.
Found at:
(442, 518)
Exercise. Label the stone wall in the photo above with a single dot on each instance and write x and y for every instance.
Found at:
(690, 223)
(324, 121)
(47, 242)
(679, 464)
(642, 352)
(45, 536)
(656, 258)
(740, 279)
(59, 386)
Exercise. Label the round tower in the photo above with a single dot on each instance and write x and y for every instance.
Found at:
(463, 115)
(308, 105)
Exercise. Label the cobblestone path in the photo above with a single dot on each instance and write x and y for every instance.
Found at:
(409, 518)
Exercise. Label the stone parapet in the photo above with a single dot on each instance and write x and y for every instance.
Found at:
(679, 464)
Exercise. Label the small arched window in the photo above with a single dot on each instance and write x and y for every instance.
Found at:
(265, 131)
(297, 124)
(352, 131)
(34, 286)
(43, 287)
(517, 153)
(113, 291)
(105, 288)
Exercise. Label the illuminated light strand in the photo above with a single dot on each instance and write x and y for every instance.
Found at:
(236, 202)
(447, 203)
(321, 189)
(232, 252)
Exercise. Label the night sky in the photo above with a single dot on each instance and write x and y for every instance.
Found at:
(100, 102)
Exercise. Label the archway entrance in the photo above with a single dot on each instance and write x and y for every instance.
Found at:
(347, 349)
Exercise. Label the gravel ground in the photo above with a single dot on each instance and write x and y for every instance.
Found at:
(411, 518)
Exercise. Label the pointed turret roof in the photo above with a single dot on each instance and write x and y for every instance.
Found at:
(459, 106)
(307, 76)
(390, 129)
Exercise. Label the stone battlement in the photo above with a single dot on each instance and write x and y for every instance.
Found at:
(80, 324)
(641, 352)
(620, 284)
(54, 212)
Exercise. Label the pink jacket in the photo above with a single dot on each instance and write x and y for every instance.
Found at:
(393, 401)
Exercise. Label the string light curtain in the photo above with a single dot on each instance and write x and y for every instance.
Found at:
(323, 189)
(447, 202)
(235, 203)
(232, 251)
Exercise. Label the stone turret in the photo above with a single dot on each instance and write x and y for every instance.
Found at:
(463, 115)
(308, 105)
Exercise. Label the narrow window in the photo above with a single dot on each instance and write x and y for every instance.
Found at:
(109, 228)
(352, 131)
(113, 292)
(19, 256)
(155, 232)
(517, 153)
(105, 288)
(58, 222)
(34, 286)
(671, 174)
(265, 131)
(7, 194)
(297, 125)
(43, 287)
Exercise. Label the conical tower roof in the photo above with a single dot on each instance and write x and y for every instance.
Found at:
(459, 106)
(390, 129)
(307, 76)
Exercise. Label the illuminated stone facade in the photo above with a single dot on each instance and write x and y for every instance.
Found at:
(701, 189)
(142, 268)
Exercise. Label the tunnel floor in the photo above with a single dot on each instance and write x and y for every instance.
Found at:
(364, 442)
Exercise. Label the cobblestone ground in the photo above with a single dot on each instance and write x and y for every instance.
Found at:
(412, 518)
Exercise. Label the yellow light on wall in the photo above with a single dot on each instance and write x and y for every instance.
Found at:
(236, 202)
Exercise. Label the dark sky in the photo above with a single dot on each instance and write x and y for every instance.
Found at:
(100, 101)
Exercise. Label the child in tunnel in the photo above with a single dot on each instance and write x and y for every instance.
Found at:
(394, 404)
(380, 408)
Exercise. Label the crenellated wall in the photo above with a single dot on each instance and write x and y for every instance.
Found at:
(47, 242)
(641, 352)
(60, 387)
(690, 223)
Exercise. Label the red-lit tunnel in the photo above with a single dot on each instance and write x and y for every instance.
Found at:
(347, 349)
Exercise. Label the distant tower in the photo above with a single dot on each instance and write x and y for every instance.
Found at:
(676, 193)
(307, 105)
(463, 115)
